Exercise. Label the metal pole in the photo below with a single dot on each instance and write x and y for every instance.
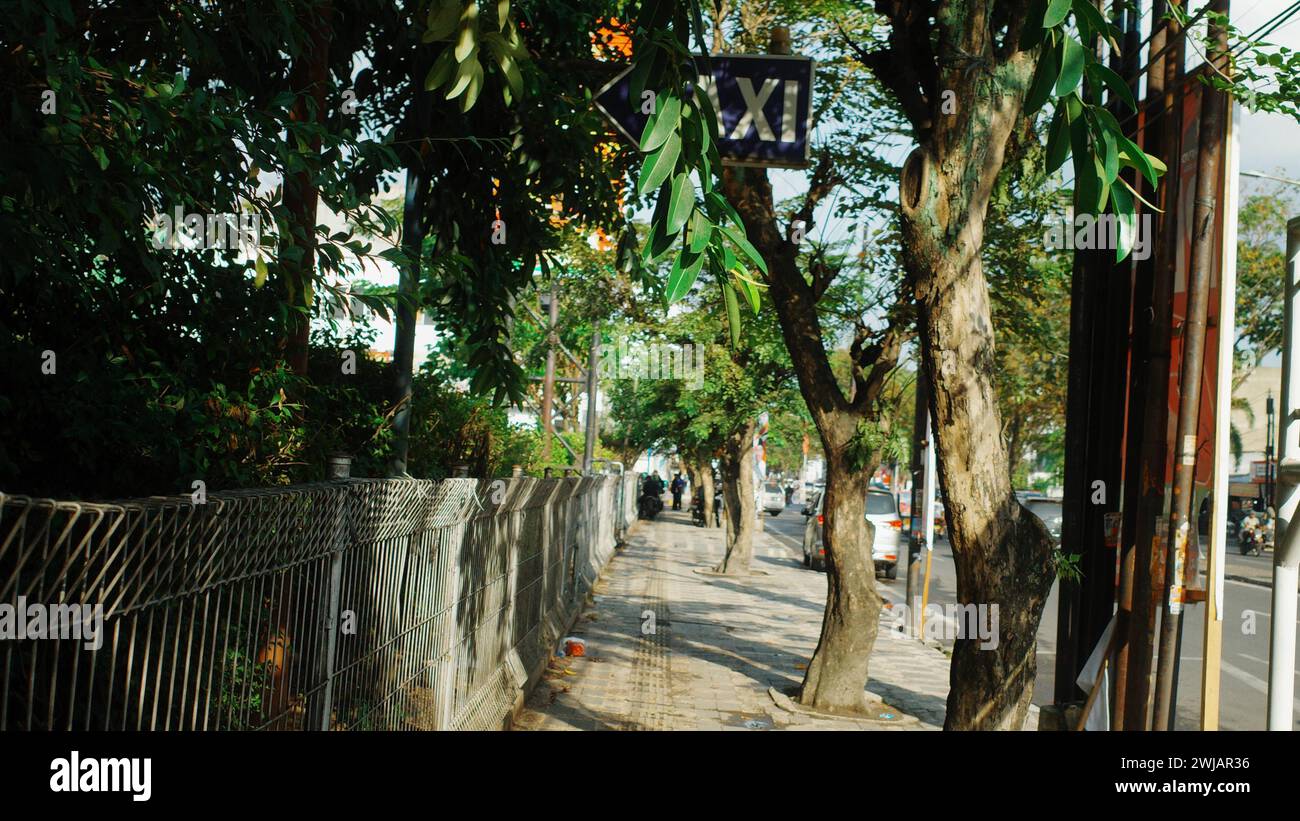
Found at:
(1286, 552)
(920, 424)
(1166, 84)
(548, 383)
(1218, 535)
(593, 367)
(1210, 152)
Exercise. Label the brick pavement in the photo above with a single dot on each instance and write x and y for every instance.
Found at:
(670, 648)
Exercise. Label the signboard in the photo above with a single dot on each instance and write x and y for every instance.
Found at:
(763, 103)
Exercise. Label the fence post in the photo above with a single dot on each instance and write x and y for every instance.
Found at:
(321, 719)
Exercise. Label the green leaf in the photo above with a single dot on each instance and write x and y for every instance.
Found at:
(1089, 17)
(1049, 68)
(1103, 76)
(1126, 215)
(1133, 157)
(749, 289)
(1058, 139)
(1109, 158)
(464, 75)
(260, 279)
(1032, 32)
(686, 268)
(737, 235)
(681, 202)
(733, 313)
(659, 165)
(1056, 12)
(441, 71)
(701, 233)
(442, 20)
(467, 40)
(663, 122)
(503, 13)
(1072, 60)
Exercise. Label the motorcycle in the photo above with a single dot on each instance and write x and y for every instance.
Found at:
(1250, 541)
(649, 506)
(697, 514)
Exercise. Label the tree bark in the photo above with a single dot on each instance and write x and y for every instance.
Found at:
(837, 673)
(704, 470)
(738, 489)
(1002, 552)
(309, 75)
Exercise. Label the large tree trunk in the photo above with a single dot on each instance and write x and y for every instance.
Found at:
(705, 473)
(1003, 553)
(738, 490)
(837, 674)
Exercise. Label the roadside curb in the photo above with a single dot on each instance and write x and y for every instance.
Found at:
(1233, 577)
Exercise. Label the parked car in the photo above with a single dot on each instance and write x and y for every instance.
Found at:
(882, 513)
(772, 497)
(1049, 510)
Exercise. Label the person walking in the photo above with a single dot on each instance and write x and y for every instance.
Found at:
(678, 487)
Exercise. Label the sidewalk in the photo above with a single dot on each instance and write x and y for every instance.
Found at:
(716, 646)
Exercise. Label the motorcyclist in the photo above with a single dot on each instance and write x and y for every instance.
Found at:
(1249, 531)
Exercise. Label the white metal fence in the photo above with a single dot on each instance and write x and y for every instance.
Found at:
(350, 605)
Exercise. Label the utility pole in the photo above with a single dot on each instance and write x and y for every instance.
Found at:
(920, 427)
(1165, 82)
(552, 309)
(1209, 157)
(1286, 551)
(1212, 642)
(593, 374)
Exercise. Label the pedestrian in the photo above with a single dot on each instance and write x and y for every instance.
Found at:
(678, 487)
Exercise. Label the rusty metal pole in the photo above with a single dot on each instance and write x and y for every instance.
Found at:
(1153, 459)
(1127, 65)
(1208, 163)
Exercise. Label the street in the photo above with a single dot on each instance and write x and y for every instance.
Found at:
(1244, 681)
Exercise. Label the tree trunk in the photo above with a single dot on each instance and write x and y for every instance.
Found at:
(837, 673)
(309, 75)
(706, 490)
(1002, 552)
(738, 488)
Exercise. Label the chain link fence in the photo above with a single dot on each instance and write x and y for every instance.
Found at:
(387, 604)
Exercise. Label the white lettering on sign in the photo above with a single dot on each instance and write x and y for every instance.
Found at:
(711, 88)
(754, 102)
(790, 111)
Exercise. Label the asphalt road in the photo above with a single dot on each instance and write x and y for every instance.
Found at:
(1244, 679)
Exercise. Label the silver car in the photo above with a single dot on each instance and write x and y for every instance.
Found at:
(773, 498)
(882, 512)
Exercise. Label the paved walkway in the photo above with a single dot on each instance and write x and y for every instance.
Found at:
(670, 648)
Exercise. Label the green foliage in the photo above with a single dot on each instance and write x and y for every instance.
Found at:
(1080, 125)
(692, 221)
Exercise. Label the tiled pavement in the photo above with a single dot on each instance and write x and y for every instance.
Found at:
(669, 648)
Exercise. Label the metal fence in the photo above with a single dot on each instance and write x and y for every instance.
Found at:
(351, 605)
